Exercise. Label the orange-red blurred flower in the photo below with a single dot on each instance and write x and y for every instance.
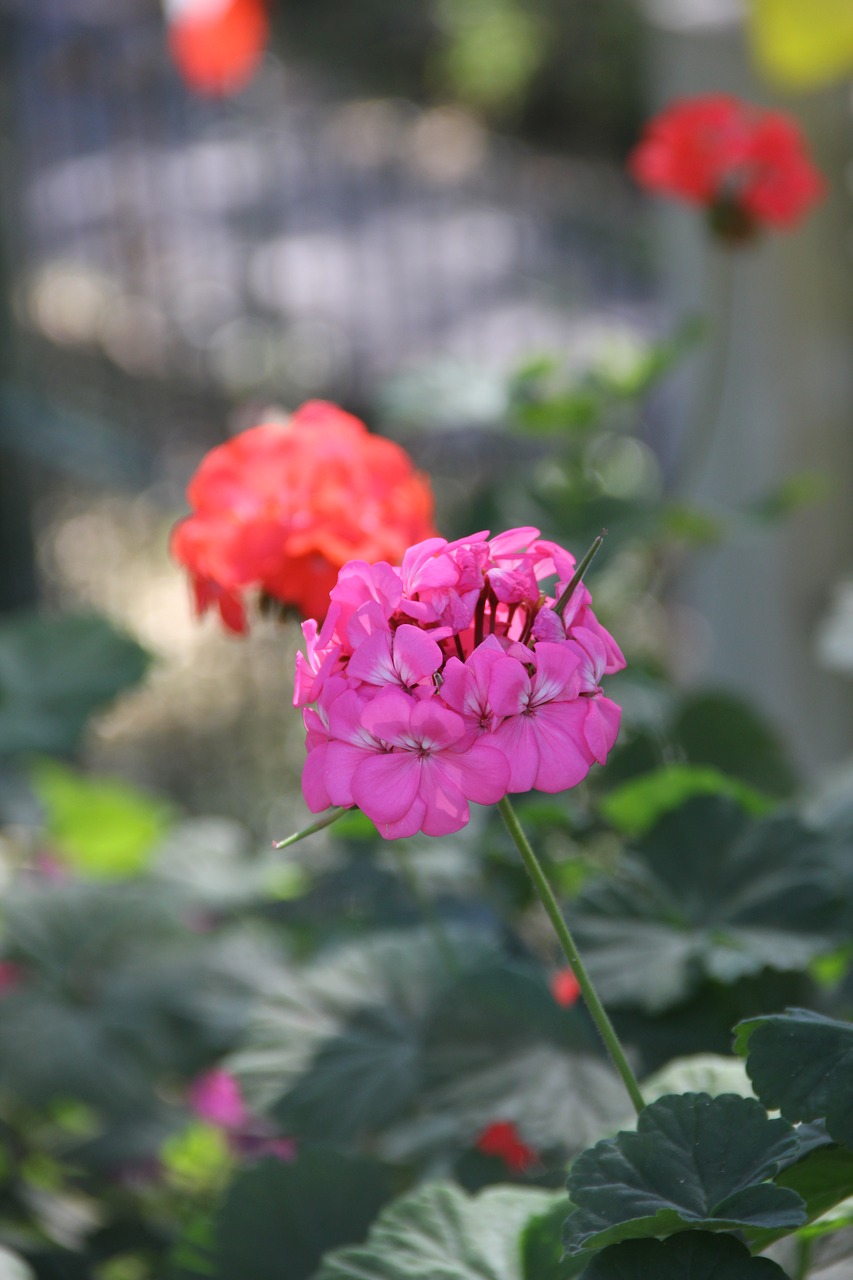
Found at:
(502, 1140)
(217, 45)
(748, 166)
(281, 507)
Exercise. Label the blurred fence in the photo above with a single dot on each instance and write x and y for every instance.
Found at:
(173, 255)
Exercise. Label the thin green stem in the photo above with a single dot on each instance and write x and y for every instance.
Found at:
(326, 820)
(707, 413)
(433, 921)
(570, 951)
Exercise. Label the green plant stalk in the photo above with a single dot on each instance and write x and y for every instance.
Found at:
(570, 951)
(560, 606)
(325, 821)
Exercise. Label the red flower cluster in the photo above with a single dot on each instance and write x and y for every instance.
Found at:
(502, 1140)
(750, 167)
(281, 507)
(217, 45)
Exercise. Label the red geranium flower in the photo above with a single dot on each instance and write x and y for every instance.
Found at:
(501, 1139)
(748, 166)
(217, 45)
(281, 507)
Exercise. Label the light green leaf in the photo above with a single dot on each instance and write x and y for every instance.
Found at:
(440, 1233)
(100, 826)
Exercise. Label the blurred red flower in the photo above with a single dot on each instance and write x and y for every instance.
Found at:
(502, 1139)
(565, 988)
(750, 167)
(217, 45)
(281, 507)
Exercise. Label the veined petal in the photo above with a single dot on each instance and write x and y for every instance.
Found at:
(564, 758)
(516, 740)
(601, 726)
(385, 785)
(509, 687)
(313, 779)
(388, 717)
(416, 656)
(556, 673)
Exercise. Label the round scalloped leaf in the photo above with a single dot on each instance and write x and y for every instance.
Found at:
(710, 893)
(801, 1064)
(692, 1255)
(693, 1162)
(440, 1233)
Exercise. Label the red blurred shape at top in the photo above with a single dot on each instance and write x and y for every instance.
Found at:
(749, 166)
(217, 45)
(502, 1140)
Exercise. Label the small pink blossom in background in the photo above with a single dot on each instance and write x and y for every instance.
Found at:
(502, 1140)
(565, 988)
(452, 680)
(216, 1098)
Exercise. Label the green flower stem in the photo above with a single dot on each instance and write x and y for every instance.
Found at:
(440, 935)
(325, 820)
(570, 951)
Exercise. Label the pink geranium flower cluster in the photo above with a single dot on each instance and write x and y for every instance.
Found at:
(453, 678)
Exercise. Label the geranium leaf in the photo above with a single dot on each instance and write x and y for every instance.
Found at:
(710, 893)
(279, 1219)
(500, 1047)
(801, 1063)
(693, 1162)
(54, 673)
(543, 1255)
(335, 1048)
(823, 1178)
(693, 1255)
(440, 1233)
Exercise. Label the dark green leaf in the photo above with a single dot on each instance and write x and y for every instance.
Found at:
(722, 730)
(801, 1063)
(439, 1233)
(542, 1247)
(709, 894)
(694, 1162)
(823, 1178)
(54, 674)
(500, 1047)
(335, 1047)
(694, 1255)
(279, 1219)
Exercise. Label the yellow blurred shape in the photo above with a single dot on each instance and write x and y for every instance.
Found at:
(802, 43)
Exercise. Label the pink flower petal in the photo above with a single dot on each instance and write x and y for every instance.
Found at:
(385, 786)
